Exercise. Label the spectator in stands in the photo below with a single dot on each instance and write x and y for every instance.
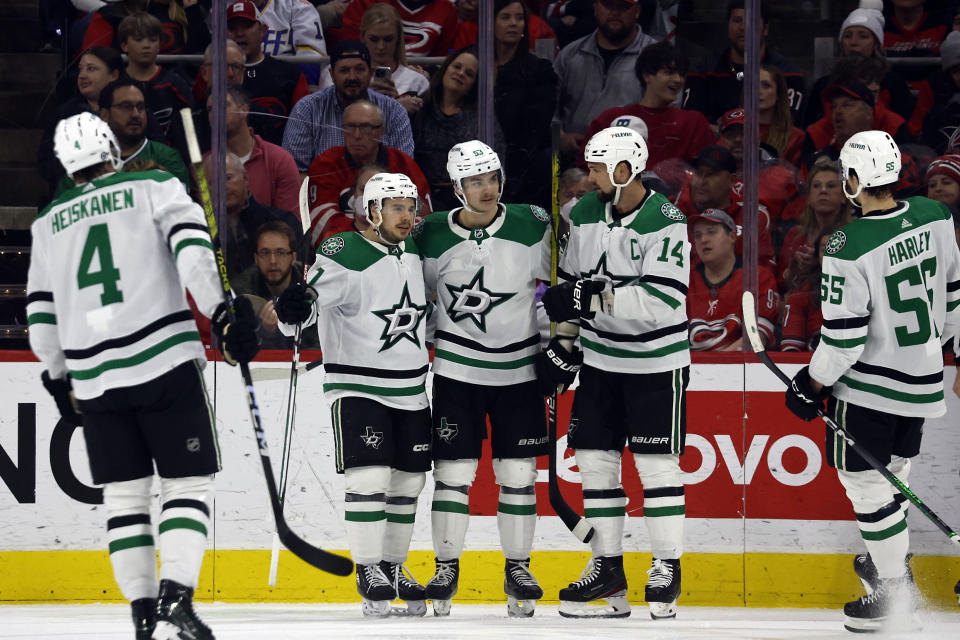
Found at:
(597, 71)
(716, 288)
(862, 34)
(826, 209)
(235, 60)
(97, 68)
(524, 99)
(429, 25)
(272, 175)
(448, 117)
(333, 172)
(715, 85)
(712, 187)
(943, 181)
(184, 24)
(672, 132)
(776, 124)
(802, 318)
(331, 13)
(245, 215)
(570, 19)
(291, 26)
(275, 268)
(355, 203)
(912, 30)
(166, 91)
(572, 185)
(467, 28)
(940, 126)
(316, 121)
(273, 85)
(382, 32)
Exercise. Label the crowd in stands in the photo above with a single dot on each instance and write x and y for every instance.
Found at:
(586, 64)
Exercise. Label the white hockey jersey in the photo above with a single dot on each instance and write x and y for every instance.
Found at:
(890, 297)
(484, 282)
(370, 311)
(646, 257)
(105, 299)
(292, 26)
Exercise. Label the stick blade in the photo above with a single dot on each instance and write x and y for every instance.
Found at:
(750, 322)
(314, 556)
(305, 205)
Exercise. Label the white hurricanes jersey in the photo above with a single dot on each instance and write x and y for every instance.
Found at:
(645, 256)
(890, 297)
(484, 282)
(105, 299)
(370, 311)
(292, 26)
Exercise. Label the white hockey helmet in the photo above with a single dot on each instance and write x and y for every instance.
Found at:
(383, 186)
(614, 145)
(84, 140)
(471, 158)
(874, 156)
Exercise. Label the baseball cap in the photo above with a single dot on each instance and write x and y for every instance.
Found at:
(243, 9)
(851, 89)
(734, 116)
(718, 216)
(716, 157)
(349, 49)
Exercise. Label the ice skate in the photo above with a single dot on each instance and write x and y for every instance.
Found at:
(375, 589)
(521, 588)
(663, 588)
(867, 571)
(407, 589)
(176, 619)
(144, 612)
(443, 586)
(603, 579)
(890, 607)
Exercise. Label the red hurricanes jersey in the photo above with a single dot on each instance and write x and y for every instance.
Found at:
(428, 31)
(714, 310)
(802, 320)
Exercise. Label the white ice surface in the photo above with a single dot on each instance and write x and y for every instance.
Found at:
(327, 622)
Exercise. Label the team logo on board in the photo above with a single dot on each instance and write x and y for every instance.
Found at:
(474, 301)
(331, 246)
(836, 242)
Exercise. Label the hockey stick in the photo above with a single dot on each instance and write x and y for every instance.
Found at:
(753, 334)
(310, 554)
(576, 523)
(291, 393)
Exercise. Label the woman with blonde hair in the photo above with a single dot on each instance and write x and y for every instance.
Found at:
(382, 31)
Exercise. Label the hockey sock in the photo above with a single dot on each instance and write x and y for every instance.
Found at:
(604, 502)
(664, 505)
(365, 511)
(401, 511)
(881, 519)
(183, 528)
(517, 509)
(132, 551)
(450, 512)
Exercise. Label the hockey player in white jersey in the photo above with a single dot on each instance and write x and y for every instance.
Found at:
(626, 270)
(366, 292)
(109, 321)
(481, 264)
(890, 296)
(293, 26)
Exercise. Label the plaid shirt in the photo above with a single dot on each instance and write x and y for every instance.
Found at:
(315, 125)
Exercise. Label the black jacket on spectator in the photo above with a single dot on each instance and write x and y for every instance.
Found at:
(524, 97)
(270, 84)
(239, 241)
(716, 85)
(943, 120)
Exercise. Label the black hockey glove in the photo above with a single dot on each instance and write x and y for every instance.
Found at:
(802, 400)
(556, 367)
(571, 300)
(294, 304)
(62, 392)
(238, 339)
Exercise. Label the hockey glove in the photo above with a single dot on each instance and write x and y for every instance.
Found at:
(238, 339)
(572, 300)
(802, 400)
(556, 367)
(294, 304)
(62, 392)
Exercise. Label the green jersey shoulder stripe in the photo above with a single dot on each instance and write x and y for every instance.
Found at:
(106, 181)
(865, 234)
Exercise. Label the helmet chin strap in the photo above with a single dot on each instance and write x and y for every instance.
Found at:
(376, 227)
(852, 197)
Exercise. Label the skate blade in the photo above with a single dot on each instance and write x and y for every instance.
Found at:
(663, 610)
(441, 608)
(615, 607)
(520, 608)
(166, 631)
(414, 609)
(375, 608)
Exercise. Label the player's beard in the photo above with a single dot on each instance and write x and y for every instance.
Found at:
(606, 197)
(392, 237)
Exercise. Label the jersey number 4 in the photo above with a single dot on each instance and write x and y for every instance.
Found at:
(97, 245)
(913, 275)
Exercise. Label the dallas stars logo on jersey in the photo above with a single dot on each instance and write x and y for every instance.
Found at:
(604, 273)
(474, 301)
(401, 320)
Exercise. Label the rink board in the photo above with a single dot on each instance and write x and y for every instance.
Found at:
(767, 524)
